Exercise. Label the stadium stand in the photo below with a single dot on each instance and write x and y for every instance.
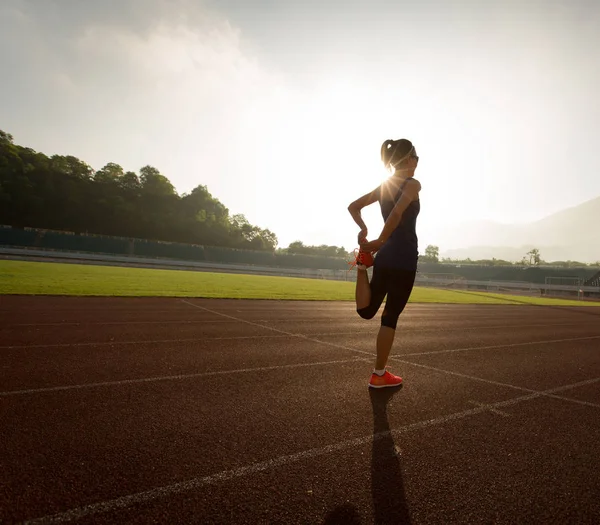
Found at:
(98, 244)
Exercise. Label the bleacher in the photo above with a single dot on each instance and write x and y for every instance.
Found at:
(594, 280)
(234, 256)
(168, 250)
(16, 237)
(313, 262)
(99, 244)
(536, 274)
(81, 243)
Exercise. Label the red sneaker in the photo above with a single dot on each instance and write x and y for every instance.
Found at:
(385, 380)
(362, 260)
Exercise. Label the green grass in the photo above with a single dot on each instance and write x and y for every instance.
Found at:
(41, 278)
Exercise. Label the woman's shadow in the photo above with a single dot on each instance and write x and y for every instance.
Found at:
(387, 485)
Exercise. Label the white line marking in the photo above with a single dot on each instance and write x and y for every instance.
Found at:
(490, 408)
(497, 383)
(196, 483)
(287, 320)
(509, 345)
(174, 377)
(289, 334)
(102, 323)
(237, 318)
(162, 341)
(400, 360)
(139, 342)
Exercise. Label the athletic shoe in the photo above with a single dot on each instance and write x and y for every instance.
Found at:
(362, 260)
(385, 380)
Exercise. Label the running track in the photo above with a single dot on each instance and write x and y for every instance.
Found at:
(209, 411)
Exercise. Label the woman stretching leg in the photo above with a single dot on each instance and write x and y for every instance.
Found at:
(396, 251)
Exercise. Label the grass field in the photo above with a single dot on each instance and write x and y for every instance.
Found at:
(41, 278)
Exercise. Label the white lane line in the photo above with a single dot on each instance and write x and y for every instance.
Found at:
(138, 342)
(102, 323)
(510, 345)
(233, 318)
(173, 377)
(497, 383)
(490, 408)
(163, 341)
(405, 328)
(289, 334)
(157, 322)
(197, 483)
(400, 360)
(426, 328)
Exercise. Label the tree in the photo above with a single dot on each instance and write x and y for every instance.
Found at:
(432, 254)
(109, 173)
(299, 248)
(270, 239)
(70, 166)
(154, 183)
(6, 138)
(534, 257)
(296, 247)
(130, 182)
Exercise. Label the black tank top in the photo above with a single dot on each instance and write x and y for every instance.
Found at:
(401, 250)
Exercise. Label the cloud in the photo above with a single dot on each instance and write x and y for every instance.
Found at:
(133, 82)
(296, 100)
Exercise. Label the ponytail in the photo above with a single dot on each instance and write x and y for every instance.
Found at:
(387, 153)
(393, 152)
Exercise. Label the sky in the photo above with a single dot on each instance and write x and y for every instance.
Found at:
(280, 107)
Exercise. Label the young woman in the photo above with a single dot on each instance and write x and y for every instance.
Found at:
(396, 251)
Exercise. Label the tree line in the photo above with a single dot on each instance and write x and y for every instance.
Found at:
(65, 193)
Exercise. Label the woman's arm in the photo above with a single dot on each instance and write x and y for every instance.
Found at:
(409, 194)
(355, 208)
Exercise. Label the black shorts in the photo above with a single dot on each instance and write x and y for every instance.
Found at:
(397, 284)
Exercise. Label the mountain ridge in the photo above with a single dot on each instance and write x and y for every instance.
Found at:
(569, 234)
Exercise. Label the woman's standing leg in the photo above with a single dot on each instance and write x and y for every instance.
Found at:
(385, 340)
(400, 288)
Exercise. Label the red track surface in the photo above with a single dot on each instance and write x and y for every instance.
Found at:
(171, 411)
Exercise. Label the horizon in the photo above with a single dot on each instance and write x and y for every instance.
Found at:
(247, 98)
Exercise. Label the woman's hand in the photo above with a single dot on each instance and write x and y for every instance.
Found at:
(362, 236)
(372, 246)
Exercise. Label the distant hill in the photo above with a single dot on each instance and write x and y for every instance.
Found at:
(571, 234)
